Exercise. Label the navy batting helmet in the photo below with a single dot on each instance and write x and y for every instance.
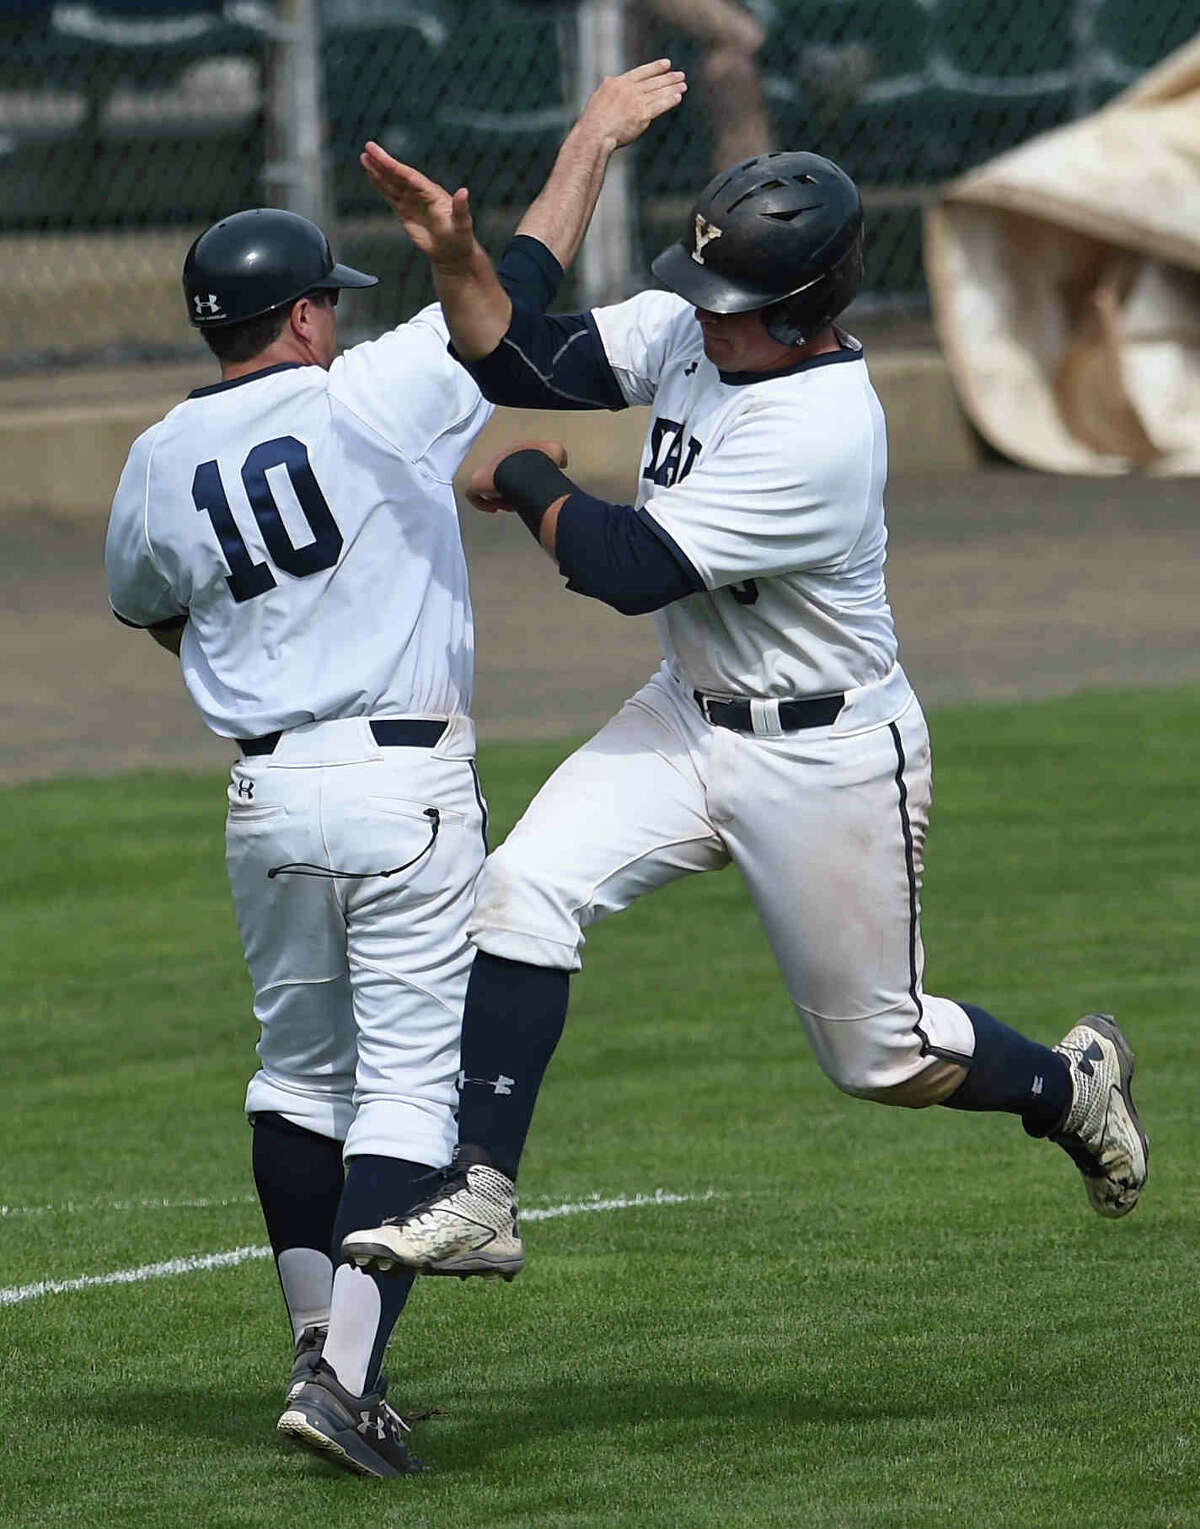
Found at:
(780, 232)
(257, 260)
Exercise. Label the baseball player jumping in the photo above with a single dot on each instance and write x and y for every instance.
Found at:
(290, 532)
(780, 732)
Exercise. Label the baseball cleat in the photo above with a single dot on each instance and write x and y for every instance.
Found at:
(362, 1434)
(309, 1347)
(1101, 1131)
(469, 1226)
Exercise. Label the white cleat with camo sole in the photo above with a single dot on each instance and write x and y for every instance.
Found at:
(469, 1226)
(1101, 1131)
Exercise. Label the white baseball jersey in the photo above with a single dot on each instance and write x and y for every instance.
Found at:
(771, 485)
(304, 521)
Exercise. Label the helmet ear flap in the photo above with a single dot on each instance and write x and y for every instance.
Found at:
(796, 319)
(787, 321)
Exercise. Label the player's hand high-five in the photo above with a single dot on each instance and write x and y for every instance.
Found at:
(617, 113)
(437, 223)
(623, 106)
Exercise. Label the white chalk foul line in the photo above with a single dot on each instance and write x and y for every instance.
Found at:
(170, 1267)
(543, 1213)
(76, 1207)
(621, 1202)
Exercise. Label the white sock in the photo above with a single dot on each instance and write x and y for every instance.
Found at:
(306, 1275)
(353, 1326)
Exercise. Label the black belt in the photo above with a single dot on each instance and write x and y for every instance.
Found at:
(389, 733)
(815, 711)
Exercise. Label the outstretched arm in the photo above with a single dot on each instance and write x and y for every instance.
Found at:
(617, 113)
(477, 309)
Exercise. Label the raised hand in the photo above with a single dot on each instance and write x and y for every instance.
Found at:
(438, 223)
(623, 106)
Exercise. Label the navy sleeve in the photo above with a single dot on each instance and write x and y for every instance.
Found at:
(619, 555)
(549, 361)
(529, 273)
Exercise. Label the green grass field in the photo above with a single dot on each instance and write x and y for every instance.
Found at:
(878, 1318)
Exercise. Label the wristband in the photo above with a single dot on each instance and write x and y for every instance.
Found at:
(529, 481)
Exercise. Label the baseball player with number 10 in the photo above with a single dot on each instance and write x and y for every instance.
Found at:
(780, 732)
(290, 531)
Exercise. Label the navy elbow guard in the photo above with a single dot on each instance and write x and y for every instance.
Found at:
(530, 482)
(529, 273)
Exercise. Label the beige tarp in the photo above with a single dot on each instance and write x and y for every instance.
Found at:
(1065, 278)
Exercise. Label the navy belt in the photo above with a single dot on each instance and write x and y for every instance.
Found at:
(815, 711)
(389, 733)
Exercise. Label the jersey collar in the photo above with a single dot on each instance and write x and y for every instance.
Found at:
(236, 382)
(829, 358)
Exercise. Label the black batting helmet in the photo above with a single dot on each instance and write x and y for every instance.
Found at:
(780, 232)
(257, 260)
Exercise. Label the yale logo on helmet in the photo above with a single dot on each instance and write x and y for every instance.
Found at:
(207, 307)
(706, 232)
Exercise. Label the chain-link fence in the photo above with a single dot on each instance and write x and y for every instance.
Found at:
(127, 125)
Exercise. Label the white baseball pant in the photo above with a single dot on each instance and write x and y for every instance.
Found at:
(825, 825)
(358, 984)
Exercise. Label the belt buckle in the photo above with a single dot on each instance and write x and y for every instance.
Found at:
(705, 703)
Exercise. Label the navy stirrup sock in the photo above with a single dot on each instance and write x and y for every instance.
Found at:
(298, 1175)
(1012, 1073)
(513, 1020)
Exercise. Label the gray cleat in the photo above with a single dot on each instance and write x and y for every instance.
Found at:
(309, 1347)
(362, 1434)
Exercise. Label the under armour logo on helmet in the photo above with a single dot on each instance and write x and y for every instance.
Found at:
(209, 307)
(706, 232)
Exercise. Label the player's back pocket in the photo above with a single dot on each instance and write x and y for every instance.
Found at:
(403, 807)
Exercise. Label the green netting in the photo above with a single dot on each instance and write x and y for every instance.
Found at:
(126, 115)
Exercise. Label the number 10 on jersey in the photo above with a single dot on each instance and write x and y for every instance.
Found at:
(246, 578)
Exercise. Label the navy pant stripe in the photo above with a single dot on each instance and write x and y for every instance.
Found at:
(911, 870)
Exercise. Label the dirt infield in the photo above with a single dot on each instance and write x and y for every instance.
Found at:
(1005, 584)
